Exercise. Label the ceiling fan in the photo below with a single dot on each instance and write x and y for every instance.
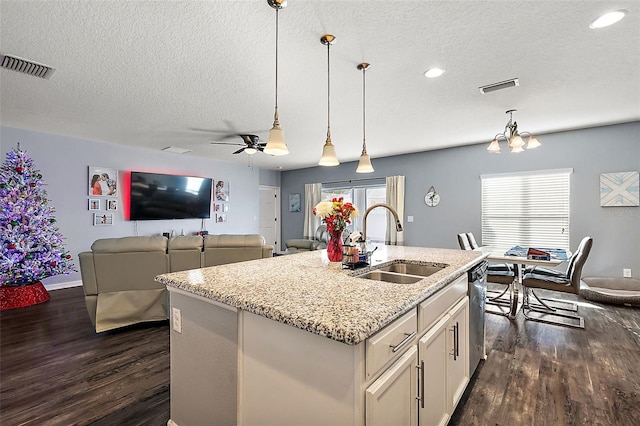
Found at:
(250, 146)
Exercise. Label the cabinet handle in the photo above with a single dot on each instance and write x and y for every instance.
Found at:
(455, 342)
(457, 339)
(420, 397)
(404, 341)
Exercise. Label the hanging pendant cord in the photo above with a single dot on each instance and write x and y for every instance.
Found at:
(328, 94)
(364, 105)
(276, 61)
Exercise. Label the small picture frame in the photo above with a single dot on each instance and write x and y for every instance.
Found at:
(217, 207)
(225, 208)
(294, 202)
(101, 219)
(221, 217)
(112, 204)
(94, 204)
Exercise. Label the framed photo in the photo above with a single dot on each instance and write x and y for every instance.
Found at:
(221, 217)
(94, 204)
(222, 190)
(294, 202)
(225, 208)
(217, 207)
(112, 204)
(102, 219)
(103, 182)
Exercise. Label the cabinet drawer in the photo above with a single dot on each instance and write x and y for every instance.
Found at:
(390, 342)
(434, 307)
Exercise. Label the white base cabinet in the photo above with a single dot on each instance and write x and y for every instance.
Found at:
(444, 367)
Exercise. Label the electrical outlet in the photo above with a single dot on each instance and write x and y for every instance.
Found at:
(176, 316)
(626, 272)
(410, 219)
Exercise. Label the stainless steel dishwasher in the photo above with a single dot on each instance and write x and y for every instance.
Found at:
(477, 294)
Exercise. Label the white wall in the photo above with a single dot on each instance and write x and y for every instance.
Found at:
(455, 173)
(63, 162)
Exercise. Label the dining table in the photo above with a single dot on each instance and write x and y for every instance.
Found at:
(519, 262)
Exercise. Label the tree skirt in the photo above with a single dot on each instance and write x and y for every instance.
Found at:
(20, 296)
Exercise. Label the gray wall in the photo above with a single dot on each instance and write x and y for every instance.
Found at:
(455, 173)
(269, 178)
(64, 161)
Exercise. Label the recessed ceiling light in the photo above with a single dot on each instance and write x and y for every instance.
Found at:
(433, 72)
(608, 19)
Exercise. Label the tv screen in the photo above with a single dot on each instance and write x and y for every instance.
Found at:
(158, 196)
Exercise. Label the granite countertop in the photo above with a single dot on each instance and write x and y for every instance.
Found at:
(303, 291)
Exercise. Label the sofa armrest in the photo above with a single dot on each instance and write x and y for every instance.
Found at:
(267, 251)
(88, 273)
(300, 243)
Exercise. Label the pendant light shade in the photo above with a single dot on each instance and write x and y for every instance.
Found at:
(329, 157)
(364, 165)
(513, 137)
(276, 144)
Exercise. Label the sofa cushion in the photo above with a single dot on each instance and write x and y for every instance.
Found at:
(185, 252)
(231, 240)
(185, 242)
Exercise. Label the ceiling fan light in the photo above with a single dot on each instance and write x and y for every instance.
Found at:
(276, 144)
(533, 142)
(494, 147)
(364, 165)
(329, 157)
(250, 150)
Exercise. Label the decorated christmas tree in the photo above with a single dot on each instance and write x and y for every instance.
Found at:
(31, 246)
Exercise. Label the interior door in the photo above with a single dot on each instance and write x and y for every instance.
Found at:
(270, 215)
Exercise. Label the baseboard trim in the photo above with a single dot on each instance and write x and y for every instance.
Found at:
(59, 286)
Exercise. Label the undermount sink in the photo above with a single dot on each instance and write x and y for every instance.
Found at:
(402, 273)
(390, 277)
(413, 269)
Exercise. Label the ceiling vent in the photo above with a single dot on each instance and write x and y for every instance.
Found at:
(26, 67)
(499, 86)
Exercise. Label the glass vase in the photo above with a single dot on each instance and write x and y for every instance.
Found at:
(334, 247)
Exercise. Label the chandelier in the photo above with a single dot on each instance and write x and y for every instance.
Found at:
(513, 137)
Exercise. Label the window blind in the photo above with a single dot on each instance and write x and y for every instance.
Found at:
(527, 209)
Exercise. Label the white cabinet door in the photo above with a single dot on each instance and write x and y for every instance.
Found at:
(433, 375)
(391, 399)
(458, 359)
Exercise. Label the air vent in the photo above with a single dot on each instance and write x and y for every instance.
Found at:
(499, 86)
(176, 150)
(26, 67)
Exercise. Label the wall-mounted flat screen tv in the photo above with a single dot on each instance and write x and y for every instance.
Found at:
(157, 196)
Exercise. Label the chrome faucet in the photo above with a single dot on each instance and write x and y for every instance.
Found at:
(386, 206)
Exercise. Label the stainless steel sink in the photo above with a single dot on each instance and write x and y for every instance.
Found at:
(412, 269)
(390, 277)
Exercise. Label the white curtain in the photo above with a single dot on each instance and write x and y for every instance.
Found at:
(312, 196)
(395, 199)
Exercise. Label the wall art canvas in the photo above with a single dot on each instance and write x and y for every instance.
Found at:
(94, 204)
(222, 190)
(103, 181)
(294, 202)
(112, 204)
(620, 189)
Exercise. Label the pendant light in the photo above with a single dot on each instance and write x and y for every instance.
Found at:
(364, 165)
(276, 144)
(328, 151)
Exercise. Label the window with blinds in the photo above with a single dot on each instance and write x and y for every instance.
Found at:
(528, 209)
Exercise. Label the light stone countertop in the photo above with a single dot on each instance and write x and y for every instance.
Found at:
(303, 291)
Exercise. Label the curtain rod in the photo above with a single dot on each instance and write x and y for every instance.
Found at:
(355, 180)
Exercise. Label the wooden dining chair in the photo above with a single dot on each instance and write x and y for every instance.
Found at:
(567, 283)
(497, 273)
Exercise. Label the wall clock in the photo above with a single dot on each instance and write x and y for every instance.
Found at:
(432, 198)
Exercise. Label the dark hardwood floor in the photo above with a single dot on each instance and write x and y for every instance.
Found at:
(55, 370)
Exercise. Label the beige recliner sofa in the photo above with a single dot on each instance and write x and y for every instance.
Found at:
(319, 241)
(118, 274)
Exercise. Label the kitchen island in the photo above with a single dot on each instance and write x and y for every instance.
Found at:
(294, 340)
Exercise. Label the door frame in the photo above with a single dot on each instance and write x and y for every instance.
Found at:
(278, 214)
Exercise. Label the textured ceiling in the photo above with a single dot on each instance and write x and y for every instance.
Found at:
(168, 73)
